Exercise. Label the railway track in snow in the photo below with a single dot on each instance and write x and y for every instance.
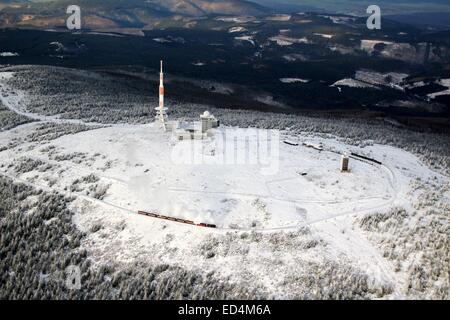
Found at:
(124, 183)
(384, 205)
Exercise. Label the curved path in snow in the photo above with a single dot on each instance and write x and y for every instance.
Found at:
(385, 205)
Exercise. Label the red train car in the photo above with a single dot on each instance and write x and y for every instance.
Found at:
(207, 225)
(179, 220)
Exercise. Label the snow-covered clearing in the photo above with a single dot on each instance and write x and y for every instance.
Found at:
(372, 79)
(109, 34)
(236, 19)
(283, 40)
(57, 46)
(237, 29)
(445, 83)
(369, 45)
(162, 40)
(339, 19)
(352, 83)
(378, 78)
(246, 38)
(324, 35)
(293, 80)
(8, 54)
(299, 214)
(238, 198)
(269, 100)
(295, 57)
(198, 63)
(279, 17)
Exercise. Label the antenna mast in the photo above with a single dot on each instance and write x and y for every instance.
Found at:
(161, 111)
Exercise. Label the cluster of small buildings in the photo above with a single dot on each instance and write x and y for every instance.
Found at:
(199, 130)
(184, 131)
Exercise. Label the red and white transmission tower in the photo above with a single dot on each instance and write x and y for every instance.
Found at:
(161, 111)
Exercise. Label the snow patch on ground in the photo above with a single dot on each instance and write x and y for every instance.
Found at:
(236, 19)
(295, 57)
(389, 79)
(58, 46)
(269, 100)
(342, 49)
(369, 45)
(417, 84)
(294, 80)
(162, 40)
(199, 64)
(170, 39)
(109, 34)
(237, 29)
(246, 38)
(283, 40)
(324, 35)
(339, 19)
(372, 79)
(442, 82)
(8, 54)
(279, 17)
(352, 83)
